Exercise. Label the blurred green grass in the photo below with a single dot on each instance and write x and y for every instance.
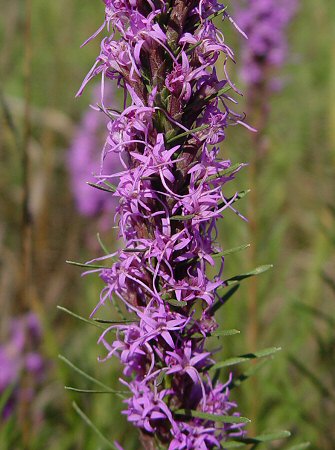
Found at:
(295, 186)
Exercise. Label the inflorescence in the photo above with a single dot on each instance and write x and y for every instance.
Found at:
(84, 163)
(176, 110)
(265, 23)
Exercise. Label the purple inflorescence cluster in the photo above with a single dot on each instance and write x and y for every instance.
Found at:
(265, 23)
(84, 162)
(18, 355)
(176, 110)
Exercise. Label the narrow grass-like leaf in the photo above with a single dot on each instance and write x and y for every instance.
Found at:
(109, 184)
(212, 417)
(239, 196)
(186, 133)
(122, 394)
(268, 437)
(301, 446)
(232, 444)
(118, 308)
(218, 93)
(218, 333)
(86, 375)
(224, 299)
(193, 47)
(180, 217)
(265, 437)
(87, 266)
(222, 173)
(102, 188)
(230, 251)
(102, 245)
(217, 13)
(92, 426)
(236, 198)
(231, 332)
(257, 271)
(71, 313)
(175, 302)
(244, 358)
(237, 381)
(116, 322)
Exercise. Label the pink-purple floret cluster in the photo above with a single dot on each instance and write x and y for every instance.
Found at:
(18, 356)
(265, 23)
(84, 163)
(170, 198)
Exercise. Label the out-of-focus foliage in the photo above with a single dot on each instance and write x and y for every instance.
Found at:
(295, 186)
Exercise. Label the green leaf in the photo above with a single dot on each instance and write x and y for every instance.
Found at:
(217, 94)
(175, 302)
(228, 171)
(237, 381)
(193, 47)
(257, 271)
(217, 333)
(186, 133)
(232, 444)
(212, 417)
(118, 308)
(87, 376)
(94, 391)
(301, 446)
(268, 436)
(116, 322)
(244, 358)
(231, 332)
(102, 245)
(135, 250)
(265, 437)
(224, 299)
(90, 322)
(91, 425)
(112, 188)
(238, 197)
(87, 266)
(160, 378)
(231, 251)
(109, 184)
(217, 13)
(186, 217)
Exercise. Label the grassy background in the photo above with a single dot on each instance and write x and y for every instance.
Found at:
(295, 224)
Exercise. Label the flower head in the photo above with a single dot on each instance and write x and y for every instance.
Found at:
(170, 192)
(265, 23)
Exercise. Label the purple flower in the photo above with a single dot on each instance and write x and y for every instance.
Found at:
(18, 355)
(170, 191)
(265, 23)
(146, 408)
(85, 163)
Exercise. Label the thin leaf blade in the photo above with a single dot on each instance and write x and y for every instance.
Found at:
(244, 358)
(211, 417)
